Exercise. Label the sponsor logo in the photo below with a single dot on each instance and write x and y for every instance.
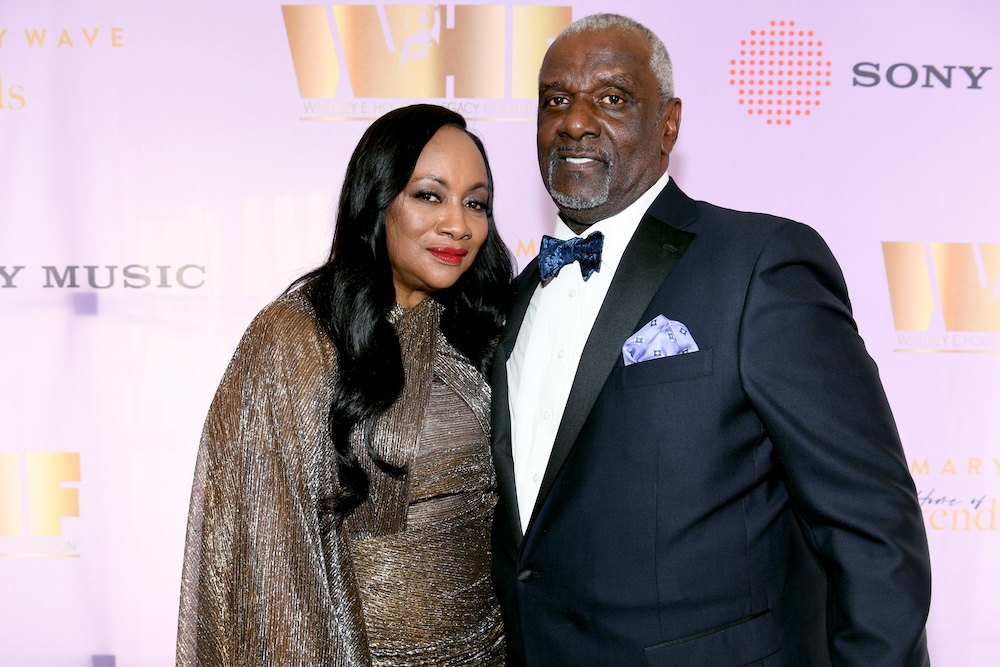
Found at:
(101, 277)
(780, 73)
(13, 91)
(65, 38)
(945, 296)
(35, 503)
(370, 59)
(905, 75)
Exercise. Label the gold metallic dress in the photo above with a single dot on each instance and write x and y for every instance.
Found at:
(405, 580)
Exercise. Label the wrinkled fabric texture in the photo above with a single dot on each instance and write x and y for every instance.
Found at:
(555, 254)
(405, 579)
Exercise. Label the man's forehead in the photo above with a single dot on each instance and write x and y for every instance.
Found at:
(597, 50)
(603, 66)
(603, 77)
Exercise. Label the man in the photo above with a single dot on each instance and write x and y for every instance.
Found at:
(696, 459)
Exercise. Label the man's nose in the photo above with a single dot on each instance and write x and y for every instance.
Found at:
(580, 118)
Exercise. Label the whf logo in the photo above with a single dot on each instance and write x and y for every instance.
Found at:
(947, 286)
(33, 500)
(420, 51)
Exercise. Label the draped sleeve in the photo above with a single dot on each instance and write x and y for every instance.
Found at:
(263, 585)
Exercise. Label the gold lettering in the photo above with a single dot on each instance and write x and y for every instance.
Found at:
(473, 51)
(533, 28)
(117, 37)
(48, 502)
(963, 519)
(2, 33)
(314, 58)
(992, 511)
(35, 36)
(974, 466)
(949, 468)
(418, 52)
(966, 303)
(421, 51)
(931, 514)
(16, 94)
(964, 514)
(11, 504)
(64, 39)
(528, 250)
(90, 38)
(920, 468)
(405, 62)
(909, 285)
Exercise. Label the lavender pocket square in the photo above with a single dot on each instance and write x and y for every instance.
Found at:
(660, 338)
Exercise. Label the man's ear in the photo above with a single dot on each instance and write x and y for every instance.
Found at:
(670, 121)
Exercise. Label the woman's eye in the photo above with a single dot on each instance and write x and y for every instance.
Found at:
(477, 205)
(427, 195)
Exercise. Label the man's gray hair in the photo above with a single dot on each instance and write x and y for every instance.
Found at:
(659, 59)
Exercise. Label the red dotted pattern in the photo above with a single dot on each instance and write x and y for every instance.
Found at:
(781, 73)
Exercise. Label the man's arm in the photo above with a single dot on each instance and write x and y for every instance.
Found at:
(819, 396)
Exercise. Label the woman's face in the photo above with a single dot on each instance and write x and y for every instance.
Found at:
(437, 224)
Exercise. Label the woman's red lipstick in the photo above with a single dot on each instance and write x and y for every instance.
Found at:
(449, 255)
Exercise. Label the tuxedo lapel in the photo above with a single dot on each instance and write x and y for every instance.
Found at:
(503, 459)
(649, 258)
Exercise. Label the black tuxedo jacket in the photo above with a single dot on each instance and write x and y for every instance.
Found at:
(748, 503)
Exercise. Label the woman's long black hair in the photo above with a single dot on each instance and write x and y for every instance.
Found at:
(352, 292)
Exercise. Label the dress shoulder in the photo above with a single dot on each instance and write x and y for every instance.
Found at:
(263, 583)
(288, 325)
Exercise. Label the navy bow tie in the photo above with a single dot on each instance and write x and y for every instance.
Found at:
(556, 254)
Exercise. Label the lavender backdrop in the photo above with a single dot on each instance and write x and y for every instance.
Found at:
(198, 149)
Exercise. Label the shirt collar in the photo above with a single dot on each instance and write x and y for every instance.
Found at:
(619, 228)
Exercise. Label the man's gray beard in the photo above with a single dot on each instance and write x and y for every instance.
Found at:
(578, 202)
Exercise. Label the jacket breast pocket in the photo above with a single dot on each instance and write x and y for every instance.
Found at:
(665, 369)
(741, 642)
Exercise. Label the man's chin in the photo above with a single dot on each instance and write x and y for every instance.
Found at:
(579, 213)
(577, 201)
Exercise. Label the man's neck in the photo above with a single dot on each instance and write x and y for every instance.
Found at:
(577, 227)
(572, 219)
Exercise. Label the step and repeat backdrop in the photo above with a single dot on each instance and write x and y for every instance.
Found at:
(168, 168)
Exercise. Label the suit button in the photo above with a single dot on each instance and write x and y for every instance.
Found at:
(525, 575)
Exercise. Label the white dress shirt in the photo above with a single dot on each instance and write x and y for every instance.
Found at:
(556, 326)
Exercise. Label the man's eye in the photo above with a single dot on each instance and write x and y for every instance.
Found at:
(613, 99)
(556, 100)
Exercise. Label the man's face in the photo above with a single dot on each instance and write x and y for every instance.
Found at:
(602, 137)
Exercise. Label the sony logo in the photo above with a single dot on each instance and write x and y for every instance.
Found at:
(905, 75)
(133, 276)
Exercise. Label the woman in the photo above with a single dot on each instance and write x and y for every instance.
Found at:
(344, 487)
